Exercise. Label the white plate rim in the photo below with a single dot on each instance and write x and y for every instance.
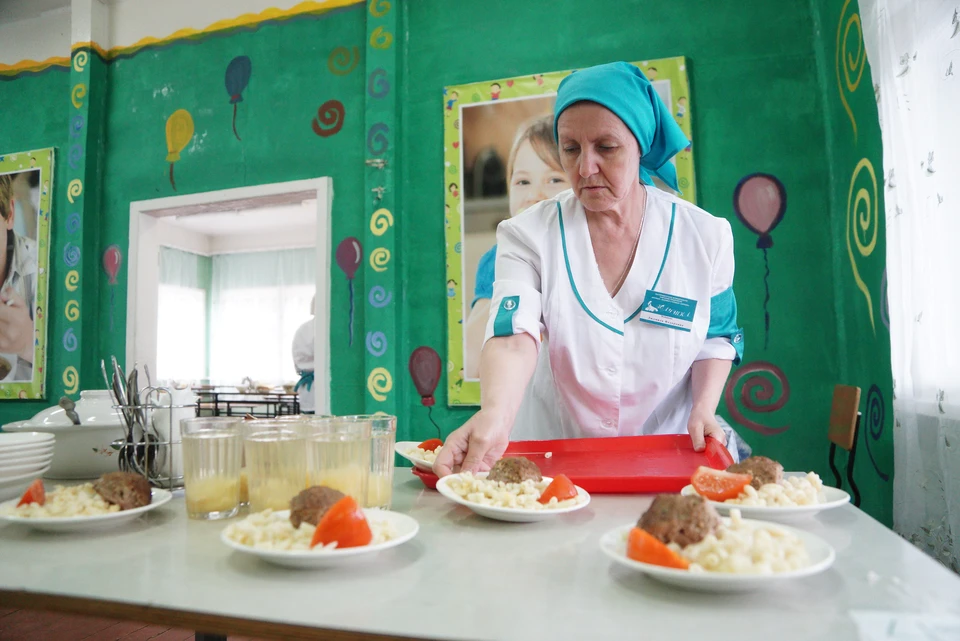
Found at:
(772, 511)
(158, 497)
(25, 469)
(19, 479)
(706, 578)
(418, 462)
(442, 487)
(19, 456)
(336, 553)
(34, 438)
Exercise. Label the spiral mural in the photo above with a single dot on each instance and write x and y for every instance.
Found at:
(759, 388)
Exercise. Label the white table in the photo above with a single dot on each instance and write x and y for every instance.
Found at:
(462, 577)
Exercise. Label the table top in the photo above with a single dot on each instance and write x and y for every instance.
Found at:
(464, 577)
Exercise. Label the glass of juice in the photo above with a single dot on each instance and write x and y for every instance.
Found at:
(383, 435)
(338, 455)
(276, 463)
(211, 466)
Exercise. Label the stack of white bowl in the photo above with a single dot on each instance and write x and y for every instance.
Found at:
(24, 456)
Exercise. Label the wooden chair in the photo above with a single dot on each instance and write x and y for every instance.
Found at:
(843, 432)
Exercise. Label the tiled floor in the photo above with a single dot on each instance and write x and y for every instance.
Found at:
(31, 625)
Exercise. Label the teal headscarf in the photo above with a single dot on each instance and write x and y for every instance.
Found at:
(623, 89)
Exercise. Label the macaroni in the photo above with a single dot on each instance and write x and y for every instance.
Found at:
(792, 491)
(741, 548)
(269, 530)
(508, 495)
(424, 455)
(65, 502)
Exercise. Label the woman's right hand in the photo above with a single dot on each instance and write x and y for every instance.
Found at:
(475, 446)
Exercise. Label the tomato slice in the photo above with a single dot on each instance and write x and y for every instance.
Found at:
(430, 445)
(646, 548)
(560, 487)
(343, 524)
(719, 485)
(34, 494)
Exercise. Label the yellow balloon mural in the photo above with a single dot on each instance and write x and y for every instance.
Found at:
(179, 135)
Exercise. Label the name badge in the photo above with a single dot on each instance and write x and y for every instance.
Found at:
(665, 310)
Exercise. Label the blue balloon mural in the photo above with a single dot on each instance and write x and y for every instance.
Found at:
(238, 75)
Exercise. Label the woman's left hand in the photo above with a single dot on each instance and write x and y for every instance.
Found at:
(703, 423)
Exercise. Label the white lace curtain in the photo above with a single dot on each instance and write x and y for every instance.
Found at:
(913, 47)
(231, 316)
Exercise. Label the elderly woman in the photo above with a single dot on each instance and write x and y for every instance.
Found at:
(632, 285)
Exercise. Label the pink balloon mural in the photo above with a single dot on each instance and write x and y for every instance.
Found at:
(425, 369)
(112, 259)
(349, 256)
(760, 201)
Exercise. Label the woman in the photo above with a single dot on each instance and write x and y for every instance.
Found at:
(534, 174)
(632, 285)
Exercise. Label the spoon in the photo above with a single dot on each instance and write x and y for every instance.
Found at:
(68, 408)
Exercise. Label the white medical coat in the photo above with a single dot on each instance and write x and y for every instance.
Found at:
(608, 373)
(303, 361)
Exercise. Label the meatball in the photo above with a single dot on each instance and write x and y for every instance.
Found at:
(126, 489)
(680, 519)
(764, 470)
(514, 470)
(310, 505)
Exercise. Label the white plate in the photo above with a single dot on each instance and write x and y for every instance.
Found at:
(28, 478)
(14, 487)
(510, 514)
(403, 447)
(85, 523)
(835, 498)
(14, 471)
(614, 545)
(29, 456)
(20, 441)
(406, 528)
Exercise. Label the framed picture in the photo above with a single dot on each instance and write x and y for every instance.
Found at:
(500, 158)
(26, 188)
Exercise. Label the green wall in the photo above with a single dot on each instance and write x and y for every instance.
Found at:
(761, 104)
(289, 81)
(765, 100)
(864, 358)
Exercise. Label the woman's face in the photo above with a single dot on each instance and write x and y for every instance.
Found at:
(600, 156)
(533, 180)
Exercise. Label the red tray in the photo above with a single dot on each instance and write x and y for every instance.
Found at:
(624, 464)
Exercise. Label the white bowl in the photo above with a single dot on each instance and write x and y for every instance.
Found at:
(80, 451)
(509, 514)
(614, 545)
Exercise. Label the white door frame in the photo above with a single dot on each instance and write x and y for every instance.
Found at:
(143, 267)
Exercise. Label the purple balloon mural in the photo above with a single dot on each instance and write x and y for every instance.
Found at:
(760, 201)
(425, 368)
(236, 80)
(349, 255)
